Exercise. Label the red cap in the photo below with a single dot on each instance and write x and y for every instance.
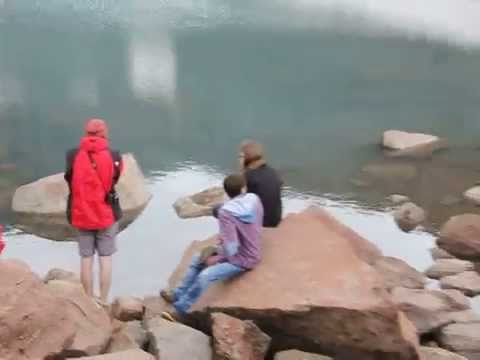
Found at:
(96, 127)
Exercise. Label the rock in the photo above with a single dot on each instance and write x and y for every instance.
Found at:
(136, 354)
(397, 273)
(398, 199)
(299, 355)
(422, 151)
(60, 274)
(174, 341)
(461, 338)
(314, 286)
(466, 316)
(409, 216)
(93, 325)
(450, 200)
(234, 339)
(473, 195)
(199, 204)
(429, 309)
(447, 267)
(127, 309)
(430, 353)
(154, 306)
(401, 140)
(39, 207)
(438, 253)
(467, 282)
(460, 236)
(34, 323)
(131, 335)
(388, 172)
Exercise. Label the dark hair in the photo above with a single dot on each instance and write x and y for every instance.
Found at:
(233, 185)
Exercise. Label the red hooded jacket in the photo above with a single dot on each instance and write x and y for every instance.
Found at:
(90, 179)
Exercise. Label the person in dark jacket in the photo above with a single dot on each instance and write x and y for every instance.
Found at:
(92, 171)
(262, 180)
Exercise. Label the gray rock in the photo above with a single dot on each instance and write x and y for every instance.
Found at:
(60, 274)
(397, 273)
(460, 236)
(402, 140)
(40, 206)
(199, 204)
(127, 308)
(430, 353)
(408, 216)
(174, 341)
(398, 199)
(467, 282)
(131, 335)
(461, 338)
(136, 354)
(447, 267)
(299, 355)
(438, 253)
(473, 195)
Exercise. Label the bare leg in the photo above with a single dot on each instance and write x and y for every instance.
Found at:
(86, 274)
(105, 276)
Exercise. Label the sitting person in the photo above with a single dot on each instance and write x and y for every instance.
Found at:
(238, 250)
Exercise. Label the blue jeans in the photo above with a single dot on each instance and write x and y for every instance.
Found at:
(198, 279)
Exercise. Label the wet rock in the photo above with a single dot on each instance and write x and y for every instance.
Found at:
(234, 339)
(467, 282)
(40, 207)
(450, 200)
(174, 341)
(199, 204)
(461, 338)
(460, 236)
(430, 353)
(320, 291)
(299, 355)
(60, 274)
(438, 253)
(33, 322)
(473, 195)
(127, 309)
(402, 140)
(397, 273)
(429, 309)
(422, 151)
(93, 325)
(398, 199)
(123, 355)
(409, 216)
(130, 335)
(446, 267)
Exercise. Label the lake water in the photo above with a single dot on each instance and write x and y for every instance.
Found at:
(183, 82)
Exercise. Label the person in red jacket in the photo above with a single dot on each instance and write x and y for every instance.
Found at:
(93, 208)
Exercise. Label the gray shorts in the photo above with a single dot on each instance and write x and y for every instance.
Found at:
(102, 241)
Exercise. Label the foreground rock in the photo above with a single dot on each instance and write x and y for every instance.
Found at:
(438, 253)
(467, 282)
(430, 353)
(60, 274)
(130, 335)
(430, 309)
(39, 207)
(34, 323)
(199, 204)
(462, 338)
(234, 339)
(174, 341)
(320, 294)
(409, 216)
(124, 355)
(299, 355)
(402, 140)
(397, 273)
(448, 267)
(460, 236)
(93, 325)
(127, 309)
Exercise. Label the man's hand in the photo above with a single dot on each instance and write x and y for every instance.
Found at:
(212, 260)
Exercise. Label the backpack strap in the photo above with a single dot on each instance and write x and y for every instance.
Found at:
(117, 165)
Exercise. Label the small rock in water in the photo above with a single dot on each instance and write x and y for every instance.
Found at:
(446, 267)
(130, 336)
(438, 253)
(450, 200)
(408, 216)
(299, 355)
(467, 282)
(398, 199)
(199, 204)
(473, 195)
(401, 140)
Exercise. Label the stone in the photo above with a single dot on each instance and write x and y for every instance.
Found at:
(397, 273)
(460, 236)
(154, 306)
(199, 204)
(60, 274)
(135, 354)
(34, 323)
(446, 267)
(467, 282)
(461, 338)
(450, 200)
(401, 140)
(408, 216)
(39, 207)
(430, 353)
(422, 151)
(438, 253)
(93, 324)
(429, 309)
(315, 286)
(174, 341)
(234, 339)
(127, 308)
(299, 355)
(398, 199)
(473, 195)
(130, 335)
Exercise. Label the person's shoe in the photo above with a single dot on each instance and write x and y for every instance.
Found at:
(173, 316)
(168, 296)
